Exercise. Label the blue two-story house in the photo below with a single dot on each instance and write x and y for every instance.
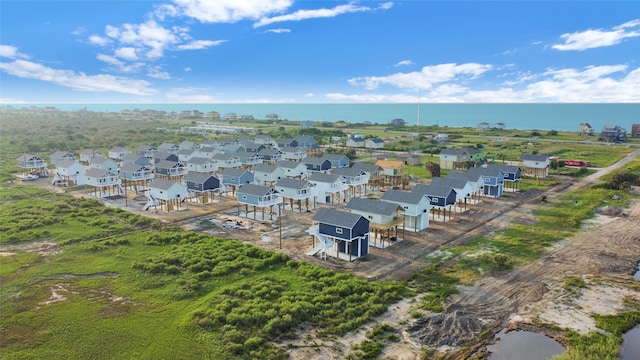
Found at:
(493, 179)
(258, 196)
(441, 198)
(338, 233)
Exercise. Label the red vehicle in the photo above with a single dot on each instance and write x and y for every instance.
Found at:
(577, 163)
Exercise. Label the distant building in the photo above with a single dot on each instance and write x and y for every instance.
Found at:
(613, 133)
(635, 130)
(586, 129)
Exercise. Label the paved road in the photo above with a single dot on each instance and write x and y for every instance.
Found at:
(603, 171)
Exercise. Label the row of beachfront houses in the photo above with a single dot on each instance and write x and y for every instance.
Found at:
(533, 165)
(344, 233)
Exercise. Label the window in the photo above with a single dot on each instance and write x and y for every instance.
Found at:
(244, 197)
(338, 230)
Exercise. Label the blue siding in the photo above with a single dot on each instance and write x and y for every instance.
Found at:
(330, 230)
(250, 199)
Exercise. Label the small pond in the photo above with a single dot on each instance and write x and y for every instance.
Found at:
(631, 344)
(524, 345)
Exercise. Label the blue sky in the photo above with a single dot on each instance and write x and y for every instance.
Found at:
(285, 51)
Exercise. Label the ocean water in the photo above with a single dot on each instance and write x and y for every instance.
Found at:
(563, 117)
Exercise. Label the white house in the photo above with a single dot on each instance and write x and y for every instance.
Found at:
(201, 165)
(330, 188)
(374, 143)
(416, 208)
(70, 172)
(293, 169)
(103, 164)
(535, 165)
(118, 152)
(267, 173)
(87, 154)
(294, 190)
(166, 193)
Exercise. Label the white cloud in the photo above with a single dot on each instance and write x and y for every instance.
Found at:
(187, 69)
(79, 31)
(200, 44)
(404, 63)
(120, 66)
(99, 40)
(318, 13)
(223, 11)
(157, 73)
(127, 53)
(591, 38)
(592, 84)
(278, 31)
(426, 78)
(78, 81)
(150, 38)
(11, 52)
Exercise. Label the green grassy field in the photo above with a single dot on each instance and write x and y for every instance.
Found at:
(140, 290)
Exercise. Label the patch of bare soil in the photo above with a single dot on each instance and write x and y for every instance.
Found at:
(605, 257)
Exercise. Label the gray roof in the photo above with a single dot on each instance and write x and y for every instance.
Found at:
(334, 157)
(460, 175)
(313, 160)
(348, 172)
(90, 152)
(161, 184)
(372, 206)
(197, 177)
(336, 218)
(368, 168)
(234, 171)
(324, 178)
(66, 163)
(432, 190)
(222, 156)
(102, 160)
(199, 160)
(291, 149)
(133, 167)
(288, 164)
(269, 151)
(293, 183)
(247, 154)
(96, 173)
(486, 171)
(377, 140)
(264, 168)
(207, 149)
(504, 167)
(257, 190)
(467, 150)
(167, 164)
(454, 183)
(400, 196)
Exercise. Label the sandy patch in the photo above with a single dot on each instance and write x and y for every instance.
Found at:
(56, 295)
(575, 314)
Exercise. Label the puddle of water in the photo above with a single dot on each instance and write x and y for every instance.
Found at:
(637, 274)
(631, 344)
(524, 345)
